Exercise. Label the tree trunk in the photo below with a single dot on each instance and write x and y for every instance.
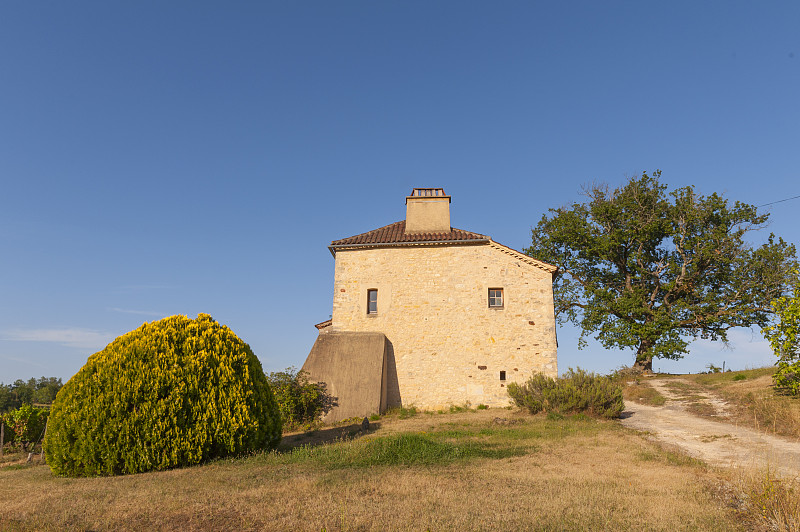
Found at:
(644, 358)
(644, 365)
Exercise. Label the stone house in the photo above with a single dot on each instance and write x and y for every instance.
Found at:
(428, 315)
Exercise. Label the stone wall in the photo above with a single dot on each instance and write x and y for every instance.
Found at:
(449, 347)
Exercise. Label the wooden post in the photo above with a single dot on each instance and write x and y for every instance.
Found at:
(2, 436)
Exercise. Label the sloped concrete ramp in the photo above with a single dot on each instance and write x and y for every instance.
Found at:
(353, 365)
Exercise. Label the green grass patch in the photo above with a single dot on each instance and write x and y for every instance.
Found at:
(719, 378)
(448, 443)
(406, 413)
(406, 449)
(402, 412)
(541, 429)
(12, 467)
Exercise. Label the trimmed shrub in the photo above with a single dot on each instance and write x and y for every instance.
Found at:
(576, 391)
(300, 401)
(172, 393)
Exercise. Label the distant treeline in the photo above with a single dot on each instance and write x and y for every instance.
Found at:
(34, 392)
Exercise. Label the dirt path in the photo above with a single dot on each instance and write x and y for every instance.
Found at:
(715, 442)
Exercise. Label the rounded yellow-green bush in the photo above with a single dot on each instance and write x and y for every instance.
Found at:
(172, 393)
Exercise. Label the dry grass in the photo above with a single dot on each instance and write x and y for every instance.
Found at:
(635, 387)
(763, 501)
(641, 393)
(756, 403)
(690, 394)
(569, 474)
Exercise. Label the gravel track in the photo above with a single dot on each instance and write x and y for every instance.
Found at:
(718, 443)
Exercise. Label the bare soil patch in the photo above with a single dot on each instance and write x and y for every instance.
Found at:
(698, 421)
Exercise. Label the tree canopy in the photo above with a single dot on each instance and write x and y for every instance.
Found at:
(643, 268)
(784, 337)
(34, 391)
(301, 402)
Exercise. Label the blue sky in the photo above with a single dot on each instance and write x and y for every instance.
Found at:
(162, 158)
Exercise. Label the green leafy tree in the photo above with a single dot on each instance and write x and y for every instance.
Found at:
(22, 392)
(172, 393)
(45, 389)
(650, 270)
(28, 424)
(784, 337)
(301, 402)
(6, 399)
(35, 391)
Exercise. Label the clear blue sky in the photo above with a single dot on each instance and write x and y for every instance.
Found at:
(162, 158)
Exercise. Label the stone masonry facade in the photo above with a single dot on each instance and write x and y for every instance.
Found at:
(449, 345)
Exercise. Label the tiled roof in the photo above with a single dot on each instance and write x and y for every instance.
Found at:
(322, 325)
(395, 234)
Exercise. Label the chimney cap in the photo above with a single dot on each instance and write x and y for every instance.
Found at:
(428, 193)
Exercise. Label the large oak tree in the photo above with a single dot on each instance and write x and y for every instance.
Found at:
(651, 270)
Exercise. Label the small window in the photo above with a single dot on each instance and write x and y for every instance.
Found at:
(495, 298)
(372, 301)
(502, 375)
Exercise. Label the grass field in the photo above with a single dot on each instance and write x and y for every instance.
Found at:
(482, 469)
(486, 469)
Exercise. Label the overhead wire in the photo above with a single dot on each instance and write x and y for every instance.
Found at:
(779, 201)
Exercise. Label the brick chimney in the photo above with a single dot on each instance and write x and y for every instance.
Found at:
(427, 211)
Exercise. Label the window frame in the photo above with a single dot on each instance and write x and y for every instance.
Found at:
(370, 302)
(493, 298)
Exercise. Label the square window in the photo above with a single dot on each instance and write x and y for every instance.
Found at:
(372, 301)
(502, 375)
(495, 298)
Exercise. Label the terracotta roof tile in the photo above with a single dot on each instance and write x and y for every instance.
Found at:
(395, 234)
(322, 325)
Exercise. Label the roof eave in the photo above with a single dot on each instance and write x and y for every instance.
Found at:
(333, 247)
(527, 258)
